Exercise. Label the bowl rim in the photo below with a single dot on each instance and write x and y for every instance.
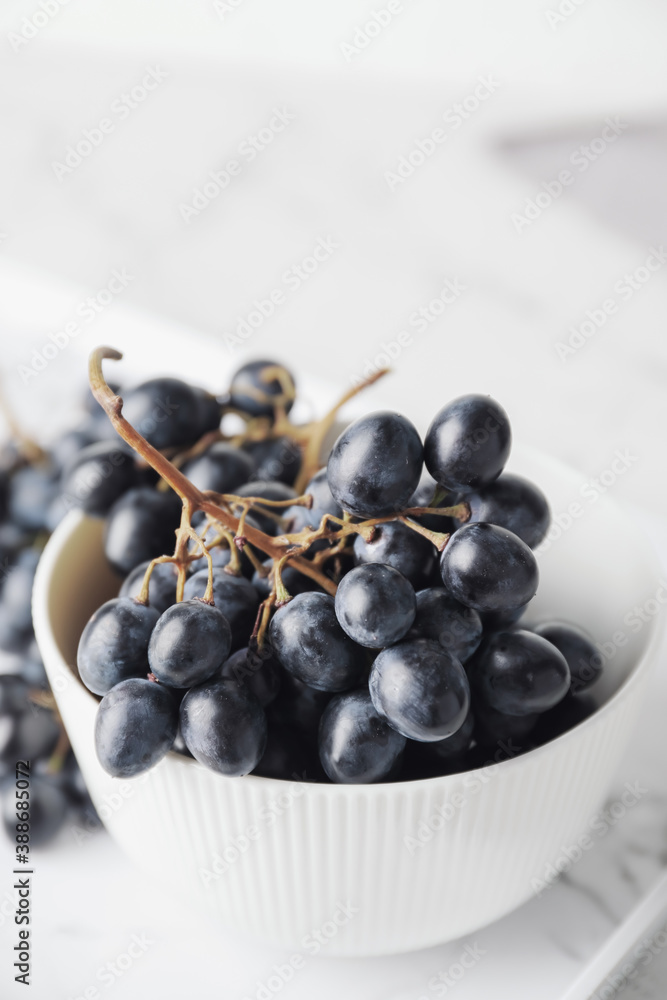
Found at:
(67, 529)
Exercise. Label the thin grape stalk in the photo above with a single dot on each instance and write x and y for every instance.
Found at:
(219, 508)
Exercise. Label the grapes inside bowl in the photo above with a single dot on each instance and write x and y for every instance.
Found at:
(366, 742)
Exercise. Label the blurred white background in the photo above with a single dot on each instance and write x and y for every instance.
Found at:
(420, 142)
(553, 79)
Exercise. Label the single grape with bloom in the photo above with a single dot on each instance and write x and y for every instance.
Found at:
(375, 605)
(375, 465)
(135, 726)
(257, 386)
(513, 503)
(114, 644)
(468, 443)
(441, 617)
(487, 568)
(420, 689)
(356, 744)
(224, 726)
(310, 644)
(189, 642)
(583, 659)
(520, 673)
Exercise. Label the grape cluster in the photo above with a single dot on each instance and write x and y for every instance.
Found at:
(37, 488)
(356, 622)
(89, 468)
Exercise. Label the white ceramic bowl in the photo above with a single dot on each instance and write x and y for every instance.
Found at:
(382, 868)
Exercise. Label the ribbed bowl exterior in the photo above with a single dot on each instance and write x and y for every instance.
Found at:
(374, 869)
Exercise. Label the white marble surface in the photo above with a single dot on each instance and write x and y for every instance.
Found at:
(452, 219)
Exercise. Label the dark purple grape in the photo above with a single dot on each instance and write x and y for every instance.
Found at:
(16, 593)
(428, 760)
(258, 670)
(266, 522)
(33, 734)
(375, 605)
(310, 644)
(456, 744)
(47, 806)
(274, 460)
(166, 411)
(98, 476)
(583, 659)
(288, 757)
(421, 689)
(12, 639)
(12, 540)
(488, 568)
(323, 500)
(519, 673)
(234, 596)
(501, 621)
(224, 727)
(74, 782)
(8, 726)
(141, 526)
(513, 503)
(357, 745)
(11, 662)
(98, 426)
(135, 727)
(221, 468)
(295, 582)
(114, 644)
(65, 448)
(375, 465)
(493, 729)
(567, 714)
(468, 443)
(254, 393)
(442, 618)
(13, 694)
(32, 667)
(12, 457)
(399, 546)
(189, 643)
(299, 707)
(209, 411)
(32, 490)
(162, 586)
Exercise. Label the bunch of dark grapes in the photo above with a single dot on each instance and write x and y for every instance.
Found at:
(33, 500)
(87, 468)
(353, 622)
